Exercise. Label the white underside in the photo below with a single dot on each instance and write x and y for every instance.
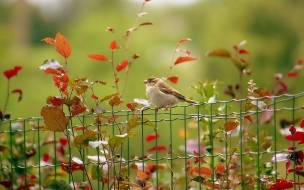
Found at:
(159, 98)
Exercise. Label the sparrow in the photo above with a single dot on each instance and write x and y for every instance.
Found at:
(162, 94)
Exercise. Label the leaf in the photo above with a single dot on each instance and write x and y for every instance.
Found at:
(184, 40)
(201, 171)
(148, 122)
(220, 169)
(141, 14)
(157, 148)
(152, 137)
(117, 140)
(113, 46)
(53, 64)
(173, 79)
(19, 91)
(80, 141)
(182, 59)
(56, 100)
(133, 185)
(292, 74)
(98, 57)
(243, 51)
(146, 23)
(94, 96)
(231, 125)
(62, 45)
(218, 53)
(115, 101)
(109, 96)
(12, 72)
(96, 171)
(142, 102)
(248, 117)
(54, 118)
(141, 175)
(262, 92)
(212, 185)
(49, 40)
(58, 184)
(78, 109)
(71, 167)
(133, 122)
(132, 106)
(122, 65)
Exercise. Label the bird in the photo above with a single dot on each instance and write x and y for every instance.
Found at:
(162, 94)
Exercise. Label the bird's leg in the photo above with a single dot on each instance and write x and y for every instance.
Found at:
(156, 109)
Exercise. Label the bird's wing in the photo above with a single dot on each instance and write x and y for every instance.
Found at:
(167, 89)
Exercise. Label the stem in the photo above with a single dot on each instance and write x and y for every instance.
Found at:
(115, 74)
(7, 96)
(172, 64)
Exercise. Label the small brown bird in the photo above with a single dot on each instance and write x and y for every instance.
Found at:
(163, 95)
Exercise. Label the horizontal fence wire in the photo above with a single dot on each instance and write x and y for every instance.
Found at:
(218, 145)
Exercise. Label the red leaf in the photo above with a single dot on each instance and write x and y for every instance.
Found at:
(77, 109)
(112, 119)
(52, 71)
(220, 169)
(182, 59)
(12, 72)
(6, 183)
(283, 86)
(98, 57)
(114, 45)
(173, 79)
(287, 165)
(63, 141)
(297, 136)
(281, 185)
(80, 128)
(243, 51)
(62, 45)
(152, 137)
(56, 100)
(69, 168)
(146, 23)
(46, 157)
(49, 40)
(248, 117)
(122, 65)
(292, 130)
(292, 74)
(132, 106)
(300, 61)
(116, 81)
(157, 148)
(302, 123)
(94, 97)
(201, 170)
(20, 93)
(184, 40)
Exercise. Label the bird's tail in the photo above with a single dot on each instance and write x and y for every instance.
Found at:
(191, 101)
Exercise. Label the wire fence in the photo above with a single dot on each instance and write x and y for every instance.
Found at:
(215, 145)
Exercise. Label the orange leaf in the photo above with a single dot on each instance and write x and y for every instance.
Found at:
(248, 117)
(54, 118)
(220, 169)
(49, 40)
(77, 109)
(146, 23)
(201, 170)
(231, 125)
(98, 57)
(182, 59)
(173, 79)
(184, 40)
(114, 45)
(94, 96)
(52, 71)
(219, 53)
(62, 45)
(116, 81)
(122, 65)
(115, 101)
(141, 175)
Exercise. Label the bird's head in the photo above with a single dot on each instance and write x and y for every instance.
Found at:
(151, 81)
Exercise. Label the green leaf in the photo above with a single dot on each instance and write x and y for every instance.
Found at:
(218, 53)
(58, 184)
(247, 159)
(82, 141)
(148, 122)
(133, 122)
(120, 139)
(108, 97)
(96, 172)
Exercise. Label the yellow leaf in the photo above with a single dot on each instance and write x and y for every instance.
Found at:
(81, 140)
(54, 118)
(219, 53)
(133, 122)
(115, 101)
(108, 96)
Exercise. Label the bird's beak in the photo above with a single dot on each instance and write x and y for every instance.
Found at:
(145, 81)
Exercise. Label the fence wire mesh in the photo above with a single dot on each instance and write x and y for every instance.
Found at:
(216, 145)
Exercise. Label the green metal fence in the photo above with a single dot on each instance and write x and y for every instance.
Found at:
(217, 145)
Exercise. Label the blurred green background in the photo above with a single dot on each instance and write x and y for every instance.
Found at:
(273, 29)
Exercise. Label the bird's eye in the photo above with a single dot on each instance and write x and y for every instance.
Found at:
(149, 80)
